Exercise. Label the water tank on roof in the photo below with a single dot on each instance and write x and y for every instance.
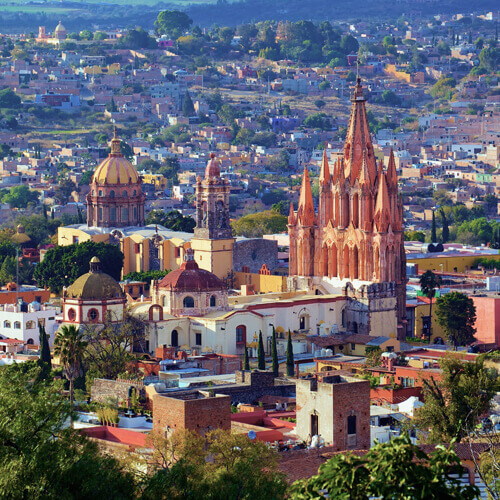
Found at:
(329, 352)
(35, 306)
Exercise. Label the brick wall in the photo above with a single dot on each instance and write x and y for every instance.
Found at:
(196, 411)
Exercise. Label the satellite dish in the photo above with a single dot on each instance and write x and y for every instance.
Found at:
(252, 435)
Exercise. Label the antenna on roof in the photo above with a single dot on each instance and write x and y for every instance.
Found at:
(357, 69)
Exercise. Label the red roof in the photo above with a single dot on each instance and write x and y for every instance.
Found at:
(190, 278)
(11, 341)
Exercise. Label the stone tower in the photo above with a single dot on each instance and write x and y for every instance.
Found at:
(213, 241)
(355, 242)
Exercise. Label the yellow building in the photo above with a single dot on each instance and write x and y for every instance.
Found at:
(158, 180)
(447, 264)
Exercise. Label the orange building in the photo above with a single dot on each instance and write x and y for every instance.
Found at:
(357, 235)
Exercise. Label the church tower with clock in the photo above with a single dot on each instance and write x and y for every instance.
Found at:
(213, 240)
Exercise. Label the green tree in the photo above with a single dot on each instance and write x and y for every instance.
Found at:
(86, 178)
(172, 23)
(108, 350)
(429, 283)
(319, 103)
(274, 355)
(415, 236)
(456, 314)
(456, 401)
(45, 360)
(173, 220)
(290, 365)
(70, 347)
(40, 457)
(20, 196)
(62, 265)
(8, 270)
(63, 191)
(397, 469)
(349, 45)
(261, 356)
(489, 59)
(256, 225)
(220, 465)
(9, 99)
(443, 87)
(433, 228)
(188, 106)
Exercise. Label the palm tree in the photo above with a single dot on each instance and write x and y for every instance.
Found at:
(70, 347)
(429, 283)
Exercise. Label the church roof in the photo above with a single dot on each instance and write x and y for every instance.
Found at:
(115, 169)
(190, 278)
(94, 285)
(213, 168)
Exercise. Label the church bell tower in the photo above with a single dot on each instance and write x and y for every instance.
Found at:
(213, 240)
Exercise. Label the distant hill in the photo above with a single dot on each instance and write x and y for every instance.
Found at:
(24, 16)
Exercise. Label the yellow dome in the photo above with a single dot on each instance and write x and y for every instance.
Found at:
(115, 169)
(60, 28)
(94, 285)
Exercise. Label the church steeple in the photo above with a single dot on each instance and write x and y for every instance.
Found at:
(305, 212)
(324, 176)
(358, 141)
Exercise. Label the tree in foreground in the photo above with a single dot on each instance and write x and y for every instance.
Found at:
(40, 457)
(456, 314)
(219, 465)
(429, 283)
(433, 228)
(70, 347)
(290, 365)
(455, 402)
(397, 469)
(261, 357)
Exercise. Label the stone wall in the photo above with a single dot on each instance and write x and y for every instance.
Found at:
(253, 253)
(103, 389)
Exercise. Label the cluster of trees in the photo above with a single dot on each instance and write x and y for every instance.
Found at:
(258, 224)
(19, 196)
(62, 265)
(173, 220)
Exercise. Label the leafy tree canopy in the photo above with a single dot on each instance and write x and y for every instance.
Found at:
(256, 225)
(9, 99)
(172, 23)
(20, 196)
(171, 220)
(62, 265)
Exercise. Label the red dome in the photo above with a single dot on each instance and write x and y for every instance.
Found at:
(213, 169)
(190, 278)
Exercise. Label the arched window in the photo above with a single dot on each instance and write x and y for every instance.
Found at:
(355, 264)
(93, 315)
(174, 342)
(30, 341)
(134, 193)
(188, 302)
(112, 194)
(6, 324)
(213, 301)
(241, 334)
(17, 325)
(100, 192)
(355, 210)
(124, 193)
(30, 325)
(71, 314)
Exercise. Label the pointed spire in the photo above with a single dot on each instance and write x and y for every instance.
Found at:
(305, 212)
(383, 204)
(324, 176)
(291, 215)
(358, 138)
(364, 176)
(392, 177)
(115, 144)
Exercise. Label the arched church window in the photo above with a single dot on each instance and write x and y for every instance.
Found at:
(112, 194)
(100, 192)
(221, 221)
(188, 302)
(213, 301)
(71, 314)
(134, 193)
(241, 334)
(174, 341)
(124, 194)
